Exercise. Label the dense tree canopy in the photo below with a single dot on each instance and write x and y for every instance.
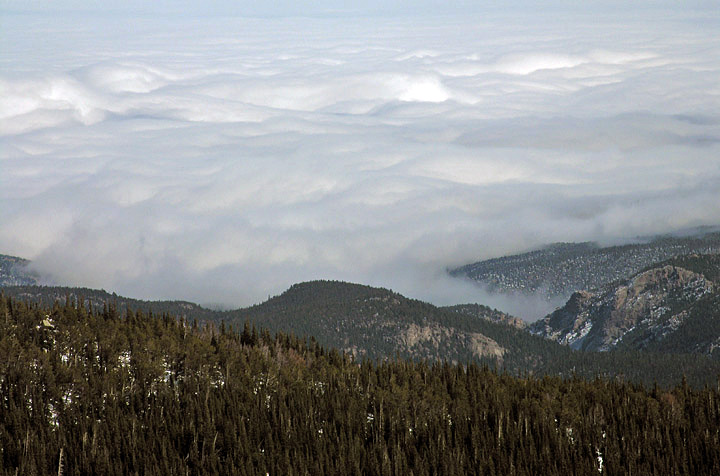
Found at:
(103, 393)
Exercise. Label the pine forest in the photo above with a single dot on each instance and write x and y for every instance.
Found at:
(96, 392)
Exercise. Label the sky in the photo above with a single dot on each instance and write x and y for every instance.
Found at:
(219, 152)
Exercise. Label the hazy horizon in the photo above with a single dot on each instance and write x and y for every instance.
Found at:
(221, 153)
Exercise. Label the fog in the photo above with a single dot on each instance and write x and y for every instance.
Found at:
(221, 159)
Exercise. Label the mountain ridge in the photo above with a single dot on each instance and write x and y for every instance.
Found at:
(377, 324)
(673, 304)
(557, 270)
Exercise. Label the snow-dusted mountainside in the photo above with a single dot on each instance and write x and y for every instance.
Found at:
(672, 306)
(14, 272)
(560, 269)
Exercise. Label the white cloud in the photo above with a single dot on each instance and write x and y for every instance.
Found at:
(223, 159)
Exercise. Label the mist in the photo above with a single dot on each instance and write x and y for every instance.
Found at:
(220, 159)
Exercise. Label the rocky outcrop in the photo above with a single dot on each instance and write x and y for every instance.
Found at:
(645, 309)
(570, 324)
(436, 336)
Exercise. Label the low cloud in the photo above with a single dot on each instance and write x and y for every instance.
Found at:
(222, 160)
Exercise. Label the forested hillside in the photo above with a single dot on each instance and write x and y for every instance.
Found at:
(88, 392)
(485, 312)
(99, 298)
(560, 269)
(378, 324)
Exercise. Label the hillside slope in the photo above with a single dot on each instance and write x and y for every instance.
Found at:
(99, 298)
(481, 311)
(373, 322)
(673, 306)
(559, 270)
(379, 324)
(14, 272)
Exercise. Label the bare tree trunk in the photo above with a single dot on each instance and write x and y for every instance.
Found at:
(60, 462)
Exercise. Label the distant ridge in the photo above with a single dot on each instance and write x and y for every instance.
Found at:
(14, 272)
(558, 270)
(481, 311)
(98, 298)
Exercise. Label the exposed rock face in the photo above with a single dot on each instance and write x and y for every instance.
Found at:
(570, 324)
(645, 309)
(435, 336)
(482, 346)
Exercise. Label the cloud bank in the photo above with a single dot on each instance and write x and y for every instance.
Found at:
(222, 159)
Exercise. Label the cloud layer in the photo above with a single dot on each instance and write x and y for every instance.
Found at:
(221, 160)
